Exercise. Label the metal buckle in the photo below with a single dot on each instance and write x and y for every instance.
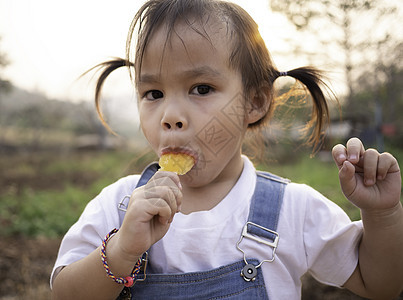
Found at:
(246, 234)
(122, 206)
(144, 261)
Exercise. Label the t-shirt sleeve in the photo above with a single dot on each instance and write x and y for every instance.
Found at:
(331, 241)
(99, 217)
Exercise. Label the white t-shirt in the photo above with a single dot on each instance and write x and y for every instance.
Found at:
(316, 236)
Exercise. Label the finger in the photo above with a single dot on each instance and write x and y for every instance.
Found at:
(370, 160)
(348, 182)
(355, 149)
(170, 179)
(150, 204)
(165, 175)
(153, 188)
(162, 195)
(339, 154)
(386, 163)
(159, 207)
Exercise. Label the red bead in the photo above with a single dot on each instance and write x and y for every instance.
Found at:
(129, 281)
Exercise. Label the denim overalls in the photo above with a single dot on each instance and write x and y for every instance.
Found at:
(239, 280)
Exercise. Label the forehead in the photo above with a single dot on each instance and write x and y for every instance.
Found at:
(188, 42)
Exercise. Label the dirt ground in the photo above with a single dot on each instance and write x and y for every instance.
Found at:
(25, 266)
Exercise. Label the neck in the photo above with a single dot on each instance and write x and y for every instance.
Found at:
(208, 196)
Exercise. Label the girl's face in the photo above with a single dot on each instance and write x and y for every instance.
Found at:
(191, 101)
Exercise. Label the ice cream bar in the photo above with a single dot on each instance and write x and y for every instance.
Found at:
(180, 163)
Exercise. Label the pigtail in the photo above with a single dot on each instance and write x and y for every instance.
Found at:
(106, 68)
(311, 78)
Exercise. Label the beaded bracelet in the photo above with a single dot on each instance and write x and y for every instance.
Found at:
(128, 281)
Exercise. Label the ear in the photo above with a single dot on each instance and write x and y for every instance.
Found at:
(258, 106)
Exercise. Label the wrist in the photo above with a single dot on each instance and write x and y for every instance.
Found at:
(119, 268)
(128, 281)
(386, 216)
(118, 253)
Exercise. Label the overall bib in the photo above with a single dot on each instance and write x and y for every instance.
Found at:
(239, 280)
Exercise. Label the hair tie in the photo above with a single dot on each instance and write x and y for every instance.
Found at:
(283, 74)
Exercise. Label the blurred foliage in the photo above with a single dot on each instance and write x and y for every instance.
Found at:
(4, 62)
(29, 121)
(385, 99)
(43, 195)
(368, 39)
(319, 174)
(303, 13)
(24, 109)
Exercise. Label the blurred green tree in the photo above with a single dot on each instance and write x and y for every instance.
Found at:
(368, 39)
(356, 27)
(5, 85)
(383, 115)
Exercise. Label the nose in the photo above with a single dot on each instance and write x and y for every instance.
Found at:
(177, 125)
(174, 117)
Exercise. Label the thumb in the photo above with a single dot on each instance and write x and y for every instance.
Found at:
(348, 182)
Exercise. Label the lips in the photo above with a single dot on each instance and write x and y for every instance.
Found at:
(180, 150)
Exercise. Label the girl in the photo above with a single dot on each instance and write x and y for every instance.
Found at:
(223, 230)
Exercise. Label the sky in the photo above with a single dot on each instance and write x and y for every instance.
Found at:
(49, 43)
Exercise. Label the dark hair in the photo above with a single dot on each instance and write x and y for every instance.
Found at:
(248, 54)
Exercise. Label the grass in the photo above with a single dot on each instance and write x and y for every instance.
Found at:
(321, 175)
(44, 194)
(46, 213)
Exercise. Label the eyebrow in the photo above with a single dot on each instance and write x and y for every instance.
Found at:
(204, 71)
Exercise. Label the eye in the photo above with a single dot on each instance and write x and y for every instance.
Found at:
(202, 89)
(153, 95)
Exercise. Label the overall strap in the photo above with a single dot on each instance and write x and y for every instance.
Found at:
(266, 204)
(147, 173)
(263, 219)
(145, 176)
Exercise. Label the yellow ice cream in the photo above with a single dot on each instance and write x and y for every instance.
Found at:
(179, 163)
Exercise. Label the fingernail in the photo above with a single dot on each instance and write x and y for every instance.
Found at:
(353, 157)
(179, 207)
(341, 158)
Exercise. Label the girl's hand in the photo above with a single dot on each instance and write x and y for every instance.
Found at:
(150, 211)
(368, 179)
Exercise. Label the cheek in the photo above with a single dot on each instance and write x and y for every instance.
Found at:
(221, 132)
(149, 128)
